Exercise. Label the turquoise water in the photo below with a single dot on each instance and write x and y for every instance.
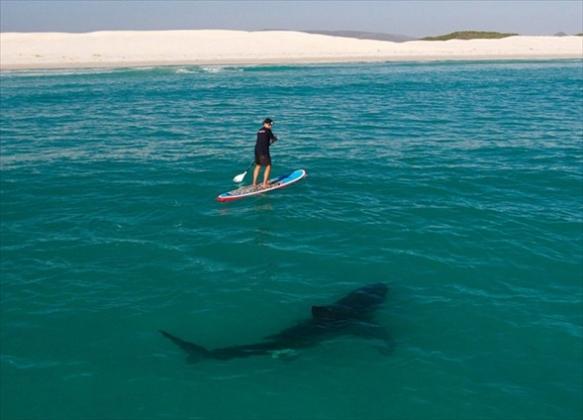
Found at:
(460, 185)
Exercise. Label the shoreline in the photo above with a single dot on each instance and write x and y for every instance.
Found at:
(315, 61)
(127, 49)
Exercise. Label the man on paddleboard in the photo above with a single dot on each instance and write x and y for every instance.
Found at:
(265, 138)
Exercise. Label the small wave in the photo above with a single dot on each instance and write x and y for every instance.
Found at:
(73, 72)
(55, 72)
(183, 70)
(212, 69)
(201, 69)
(220, 69)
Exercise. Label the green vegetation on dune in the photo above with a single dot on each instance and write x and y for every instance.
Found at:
(469, 35)
(581, 34)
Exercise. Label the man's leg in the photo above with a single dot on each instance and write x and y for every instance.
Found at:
(266, 175)
(256, 174)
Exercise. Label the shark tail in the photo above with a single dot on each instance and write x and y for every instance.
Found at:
(194, 351)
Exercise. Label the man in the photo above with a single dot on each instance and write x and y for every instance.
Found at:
(265, 138)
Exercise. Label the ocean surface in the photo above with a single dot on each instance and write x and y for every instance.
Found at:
(458, 184)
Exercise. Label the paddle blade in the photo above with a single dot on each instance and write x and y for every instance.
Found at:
(240, 177)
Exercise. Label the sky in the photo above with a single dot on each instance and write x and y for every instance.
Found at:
(413, 18)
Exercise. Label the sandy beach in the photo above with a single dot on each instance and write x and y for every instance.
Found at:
(207, 47)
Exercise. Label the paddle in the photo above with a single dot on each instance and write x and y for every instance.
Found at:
(239, 178)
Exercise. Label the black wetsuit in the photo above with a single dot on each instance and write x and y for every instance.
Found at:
(265, 138)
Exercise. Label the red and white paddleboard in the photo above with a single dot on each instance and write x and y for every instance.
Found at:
(274, 184)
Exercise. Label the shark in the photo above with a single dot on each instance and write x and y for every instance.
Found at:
(351, 315)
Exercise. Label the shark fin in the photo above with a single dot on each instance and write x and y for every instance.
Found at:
(194, 351)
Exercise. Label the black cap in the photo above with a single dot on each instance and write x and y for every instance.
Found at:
(267, 121)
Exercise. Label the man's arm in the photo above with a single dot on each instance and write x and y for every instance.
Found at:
(272, 138)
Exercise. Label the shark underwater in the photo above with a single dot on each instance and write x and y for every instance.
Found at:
(351, 315)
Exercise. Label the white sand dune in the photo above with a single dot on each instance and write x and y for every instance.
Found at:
(141, 48)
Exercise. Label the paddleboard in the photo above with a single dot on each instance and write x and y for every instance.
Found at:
(274, 184)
